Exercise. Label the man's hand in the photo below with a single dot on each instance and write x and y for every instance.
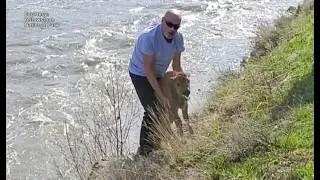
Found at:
(165, 103)
(174, 73)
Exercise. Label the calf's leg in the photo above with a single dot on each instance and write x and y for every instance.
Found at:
(177, 120)
(186, 117)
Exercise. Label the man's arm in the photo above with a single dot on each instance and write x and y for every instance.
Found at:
(148, 66)
(148, 59)
(176, 63)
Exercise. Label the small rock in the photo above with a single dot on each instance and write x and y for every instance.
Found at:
(292, 57)
(291, 9)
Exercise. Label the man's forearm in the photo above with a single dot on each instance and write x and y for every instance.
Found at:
(176, 67)
(148, 67)
(154, 83)
(179, 69)
(176, 64)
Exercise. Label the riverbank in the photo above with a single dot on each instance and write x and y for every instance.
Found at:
(257, 125)
(260, 122)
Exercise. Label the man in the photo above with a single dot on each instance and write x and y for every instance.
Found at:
(156, 47)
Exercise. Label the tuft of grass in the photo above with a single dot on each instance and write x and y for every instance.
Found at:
(300, 134)
(128, 169)
(306, 171)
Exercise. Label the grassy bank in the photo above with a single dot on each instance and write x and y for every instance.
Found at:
(259, 124)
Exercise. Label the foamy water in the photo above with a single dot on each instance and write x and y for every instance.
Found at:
(53, 71)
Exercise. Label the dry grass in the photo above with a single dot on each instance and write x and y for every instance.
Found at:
(160, 165)
(128, 169)
(243, 139)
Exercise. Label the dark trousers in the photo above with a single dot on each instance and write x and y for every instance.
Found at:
(147, 98)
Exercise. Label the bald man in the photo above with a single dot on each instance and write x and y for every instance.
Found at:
(157, 46)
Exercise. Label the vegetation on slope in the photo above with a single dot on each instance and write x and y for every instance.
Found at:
(261, 120)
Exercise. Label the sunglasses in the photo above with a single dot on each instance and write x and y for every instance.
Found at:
(170, 25)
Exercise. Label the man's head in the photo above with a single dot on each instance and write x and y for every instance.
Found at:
(171, 23)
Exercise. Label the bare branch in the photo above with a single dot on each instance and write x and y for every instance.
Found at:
(101, 126)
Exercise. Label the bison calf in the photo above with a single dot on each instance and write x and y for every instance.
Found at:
(176, 87)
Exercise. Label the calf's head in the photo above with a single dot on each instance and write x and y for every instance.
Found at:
(181, 84)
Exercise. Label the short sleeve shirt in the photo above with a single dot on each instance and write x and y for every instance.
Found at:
(152, 42)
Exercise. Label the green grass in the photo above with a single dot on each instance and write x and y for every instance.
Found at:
(263, 119)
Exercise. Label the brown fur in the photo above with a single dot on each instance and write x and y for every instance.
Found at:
(175, 86)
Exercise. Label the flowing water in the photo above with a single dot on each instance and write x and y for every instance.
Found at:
(48, 69)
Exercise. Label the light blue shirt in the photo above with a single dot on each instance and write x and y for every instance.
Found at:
(152, 42)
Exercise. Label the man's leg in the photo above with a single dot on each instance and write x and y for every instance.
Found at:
(145, 93)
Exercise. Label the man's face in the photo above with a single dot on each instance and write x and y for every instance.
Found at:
(170, 26)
